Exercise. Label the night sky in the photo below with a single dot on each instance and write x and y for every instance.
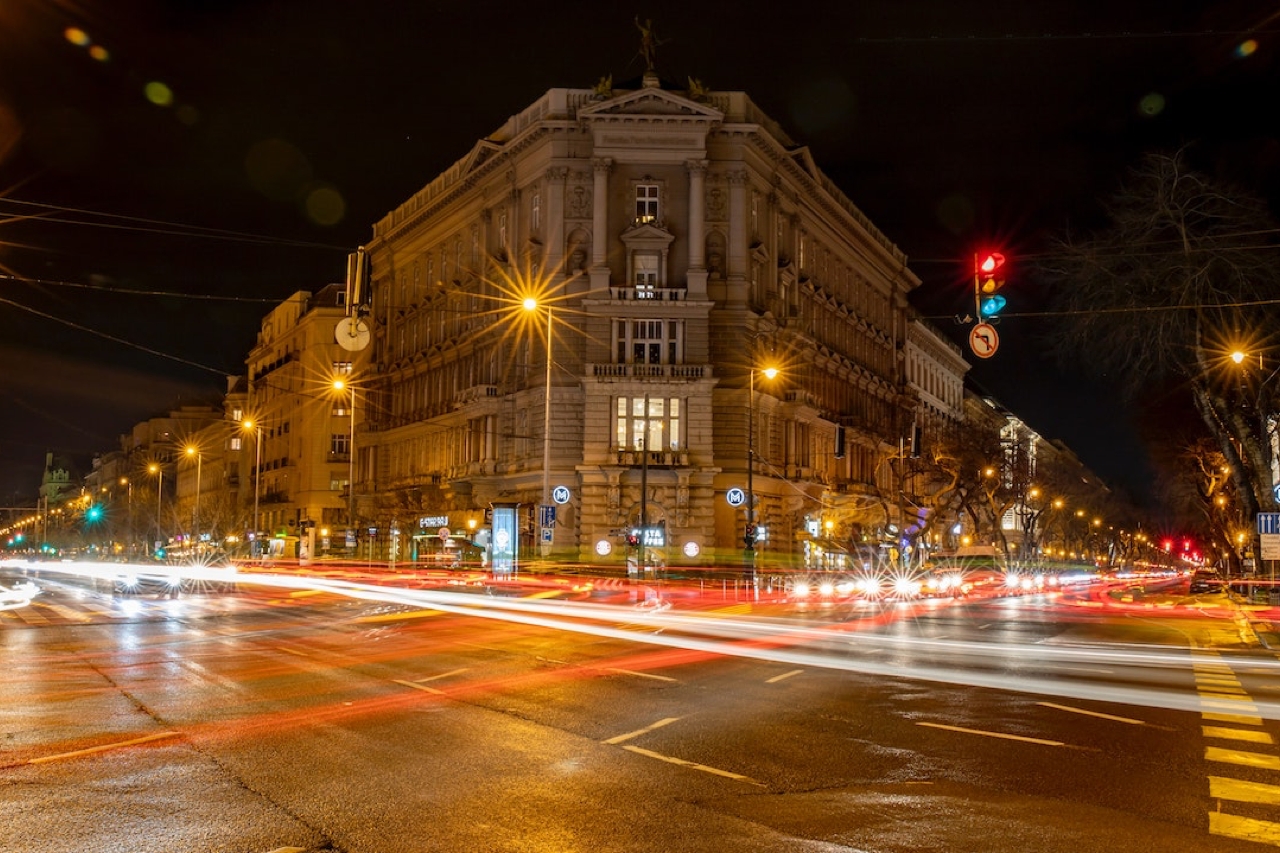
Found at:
(173, 170)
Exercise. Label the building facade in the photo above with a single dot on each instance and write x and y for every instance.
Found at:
(675, 248)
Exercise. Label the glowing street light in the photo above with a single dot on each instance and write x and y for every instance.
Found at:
(530, 304)
(195, 510)
(256, 428)
(340, 385)
(749, 536)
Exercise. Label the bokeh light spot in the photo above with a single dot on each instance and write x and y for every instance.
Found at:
(76, 36)
(1246, 48)
(99, 53)
(325, 205)
(278, 170)
(159, 94)
(1151, 104)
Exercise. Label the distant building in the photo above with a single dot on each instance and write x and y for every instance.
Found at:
(682, 243)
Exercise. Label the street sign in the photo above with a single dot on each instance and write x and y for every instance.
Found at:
(560, 494)
(983, 340)
(547, 535)
(1270, 549)
(546, 515)
(735, 496)
(1269, 522)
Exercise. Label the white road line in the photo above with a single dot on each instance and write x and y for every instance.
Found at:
(441, 675)
(1098, 714)
(638, 732)
(103, 748)
(784, 675)
(424, 688)
(1001, 735)
(693, 766)
(640, 674)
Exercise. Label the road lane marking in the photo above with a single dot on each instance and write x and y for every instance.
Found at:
(1242, 703)
(1240, 791)
(103, 748)
(1098, 714)
(548, 593)
(629, 735)
(288, 850)
(993, 734)
(670, 759)
(784, 675)
(1236, 734)
(424, 688)
(1244, 828)
(441, 675)
(1242, 757)
(393, 617)
(640, 674)
(1232, 718)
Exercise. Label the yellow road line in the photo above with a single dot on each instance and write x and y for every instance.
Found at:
(1240, 791)
(993, 734)
(645, 730)
(1098, 714)
(778, 678)
(693, 766)
(106, 746)
(1245, 828)
(1236, 734)
(1241, 757)
(550, 593)
(1239, 719)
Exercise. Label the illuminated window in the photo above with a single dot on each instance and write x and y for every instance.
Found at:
(656, 429)
(535, 211)
(339, 444)
(235, 442)
(645, 273)
(342, 368)
(646, 202)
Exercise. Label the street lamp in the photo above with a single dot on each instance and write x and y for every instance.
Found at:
(155, 468)
(257, 476)
(124, 481)
(531, 304)
(342, 385)
(195, 509)
(750, 534)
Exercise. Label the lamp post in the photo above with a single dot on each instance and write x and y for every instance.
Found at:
(155, 468)
(195, 509)
(124, 481)
(749, 536)
(256, 428)
(531, 304)
(341, 385)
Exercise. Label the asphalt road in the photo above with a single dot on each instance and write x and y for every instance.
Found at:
(295, 719)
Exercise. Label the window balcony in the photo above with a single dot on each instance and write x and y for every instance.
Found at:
(648, 294)
(657, 458)
(650, 371)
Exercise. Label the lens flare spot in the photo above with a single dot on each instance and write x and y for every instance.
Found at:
(99, 53)
(278, 170)
(1248, 47)
(76, 36)
(1151, 104)
(159, 94)
(325, 206)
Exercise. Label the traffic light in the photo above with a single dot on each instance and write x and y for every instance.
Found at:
(988, 279)
(93, 513)
(749, 537)
(633, 538)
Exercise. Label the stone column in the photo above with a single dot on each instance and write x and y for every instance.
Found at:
(696, 277)
(600, 223)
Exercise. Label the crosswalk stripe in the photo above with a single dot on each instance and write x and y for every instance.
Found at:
(1236, 734)
(1242, 757)
(1238, 719)
(1244, 828)
(1240, 791)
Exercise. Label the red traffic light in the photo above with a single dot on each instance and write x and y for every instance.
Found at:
(993, 262)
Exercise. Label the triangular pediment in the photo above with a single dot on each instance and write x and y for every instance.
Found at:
(646, 232)
(479, 153)
(804, 159)
(651, 102)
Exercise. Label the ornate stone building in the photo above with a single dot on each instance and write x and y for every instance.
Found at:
(677, 244)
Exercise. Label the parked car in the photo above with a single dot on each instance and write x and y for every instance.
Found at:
(1203, 581)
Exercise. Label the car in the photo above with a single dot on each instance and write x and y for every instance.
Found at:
(1206, 582)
